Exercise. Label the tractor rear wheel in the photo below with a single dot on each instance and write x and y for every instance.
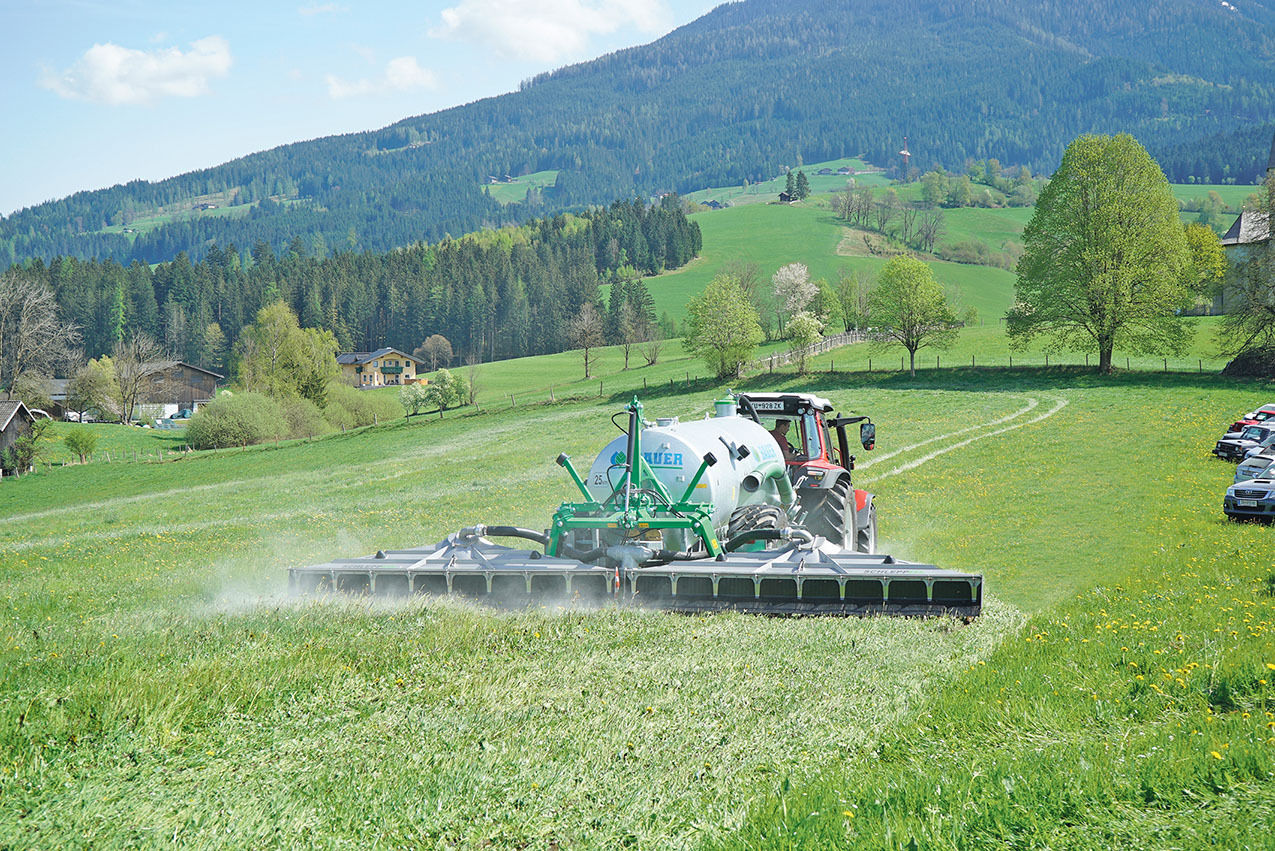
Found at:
(831, 516)
(749, 518)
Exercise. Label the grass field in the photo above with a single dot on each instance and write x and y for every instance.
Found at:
(515, 191)
(157, 686)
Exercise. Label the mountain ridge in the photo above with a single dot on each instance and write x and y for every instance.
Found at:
(732, 96)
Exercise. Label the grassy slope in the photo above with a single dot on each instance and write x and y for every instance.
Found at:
(156, 683)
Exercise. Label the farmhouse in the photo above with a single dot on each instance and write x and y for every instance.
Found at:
(383, 367)
(15, 422)
(177, 386)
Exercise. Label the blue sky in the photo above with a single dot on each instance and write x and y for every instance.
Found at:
(99, 93)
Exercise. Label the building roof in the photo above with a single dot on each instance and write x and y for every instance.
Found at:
(357, 358)
(1250, 226)
(169, 364)
(9, 409)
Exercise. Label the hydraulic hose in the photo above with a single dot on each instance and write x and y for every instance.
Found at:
(531, 535)
(767, 535)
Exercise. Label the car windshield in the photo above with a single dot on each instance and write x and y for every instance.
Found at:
(1262, 416)
(1253, 433)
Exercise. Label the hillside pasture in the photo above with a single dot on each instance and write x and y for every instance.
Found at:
(159, 686)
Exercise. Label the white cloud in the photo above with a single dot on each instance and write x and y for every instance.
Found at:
(403, 74)
(547, 30)
(108, 73)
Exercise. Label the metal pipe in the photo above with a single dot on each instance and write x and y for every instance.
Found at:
(771, 470)
(564, 461)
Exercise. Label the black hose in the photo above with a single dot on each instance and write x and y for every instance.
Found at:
(517, 532)
(753, 535)
(543, 539)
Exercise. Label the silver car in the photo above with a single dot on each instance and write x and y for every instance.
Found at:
(1256, 467)
(1251, 500)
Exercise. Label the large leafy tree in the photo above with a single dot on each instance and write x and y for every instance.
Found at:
(722, 326)
(278, 358)
(910, 309)
(1105, 260)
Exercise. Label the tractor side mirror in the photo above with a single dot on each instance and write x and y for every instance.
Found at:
(868, 435)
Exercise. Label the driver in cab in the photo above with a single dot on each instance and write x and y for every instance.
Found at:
(780, 434)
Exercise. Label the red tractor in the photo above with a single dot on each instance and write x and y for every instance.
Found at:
(818, 465)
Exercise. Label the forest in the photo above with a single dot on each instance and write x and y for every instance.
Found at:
(493, 294)
(732, 97)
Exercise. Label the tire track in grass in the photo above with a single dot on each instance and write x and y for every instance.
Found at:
(1059, 404)
(1028, 408)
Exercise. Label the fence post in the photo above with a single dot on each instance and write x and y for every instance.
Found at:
(511, 400)
(1046, 358)
(644, 382)
(869, 364)
(1166, 364)
(599, 386)
(936, 361)
(900, 363)
(1126, 361)
(1086, 359)
(1201, 363)
(1011, 361)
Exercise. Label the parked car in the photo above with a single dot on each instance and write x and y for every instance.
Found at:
(1261, 415)
(1259, 466)
(1251, 500)
(1235, 446)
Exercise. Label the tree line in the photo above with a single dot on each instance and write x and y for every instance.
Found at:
(494, 294)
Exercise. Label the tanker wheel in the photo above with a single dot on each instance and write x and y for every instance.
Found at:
(749, 518)
(831, 516)
(866, 540)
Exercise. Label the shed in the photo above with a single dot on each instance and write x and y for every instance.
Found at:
(15, 422)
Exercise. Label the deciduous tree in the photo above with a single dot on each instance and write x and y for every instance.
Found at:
(1104, 255)
(435, 351)
(910, 309)
(722, 327)
(804, 330)
(138, 360)
(586, 332)
(33, 339)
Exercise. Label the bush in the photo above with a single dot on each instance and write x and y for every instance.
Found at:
(303, 418)
(240, 419)
(350, 408)
(81, 442)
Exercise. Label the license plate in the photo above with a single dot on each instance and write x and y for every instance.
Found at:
(1246, 503)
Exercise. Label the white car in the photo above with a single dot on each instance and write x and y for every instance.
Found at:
(1256, 467)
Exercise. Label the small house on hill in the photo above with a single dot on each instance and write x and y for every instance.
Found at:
(785, 198)
(15, 422)
(381, 368)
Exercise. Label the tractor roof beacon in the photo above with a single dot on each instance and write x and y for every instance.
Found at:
(705, 515)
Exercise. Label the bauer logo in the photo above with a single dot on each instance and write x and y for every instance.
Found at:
(663, 459)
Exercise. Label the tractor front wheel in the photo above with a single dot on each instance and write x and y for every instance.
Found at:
(832, 515)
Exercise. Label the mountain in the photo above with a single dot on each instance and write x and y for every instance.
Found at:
(733, 96)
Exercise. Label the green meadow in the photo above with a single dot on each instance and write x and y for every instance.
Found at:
(158, 686)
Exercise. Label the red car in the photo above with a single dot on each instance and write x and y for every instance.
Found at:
(1261, 415)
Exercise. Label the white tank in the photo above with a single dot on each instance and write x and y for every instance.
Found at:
(674, 451)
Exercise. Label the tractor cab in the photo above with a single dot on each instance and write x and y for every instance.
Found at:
(813, 441)
(816, 450)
